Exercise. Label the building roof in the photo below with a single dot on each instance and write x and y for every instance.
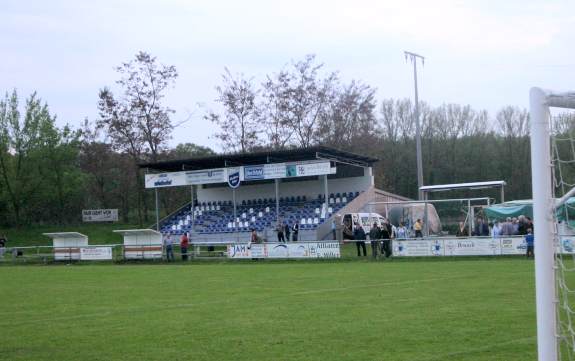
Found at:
(262, 157)
(137, 232)
(474, 185)
(71, 235)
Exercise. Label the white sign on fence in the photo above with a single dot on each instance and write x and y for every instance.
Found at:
(96, 253)
(459, 247)
(99, 215)
(285, 250)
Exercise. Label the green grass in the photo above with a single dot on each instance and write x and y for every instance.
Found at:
(424, 310)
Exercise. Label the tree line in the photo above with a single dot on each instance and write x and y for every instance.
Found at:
(48, 174)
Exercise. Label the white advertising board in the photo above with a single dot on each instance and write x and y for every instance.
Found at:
(99, 215)
(252, 172)
(566, 245)
(472, 247)
(459, 247)
(417, 248)
(175, 179)
(285, 250)
(96, 253)
(287, 170)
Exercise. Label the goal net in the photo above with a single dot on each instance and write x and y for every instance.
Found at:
(553, 177)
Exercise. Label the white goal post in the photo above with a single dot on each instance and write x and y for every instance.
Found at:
(544, 206)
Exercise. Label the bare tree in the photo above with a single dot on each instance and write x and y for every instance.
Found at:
(136, 122)
(301, 94)
(240, 123)
(349, 120)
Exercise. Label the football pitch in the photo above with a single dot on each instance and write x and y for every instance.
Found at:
(464, 309)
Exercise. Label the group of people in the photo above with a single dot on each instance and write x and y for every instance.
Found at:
(512, 226)
(284, 231)
(380, 236)
(516, 226)
(184, 244)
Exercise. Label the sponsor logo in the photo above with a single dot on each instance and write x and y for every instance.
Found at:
(291, 171)
(567, 245)
(256, 172)
(234, 177)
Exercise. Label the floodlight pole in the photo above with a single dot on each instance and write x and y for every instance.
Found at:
(413, 57)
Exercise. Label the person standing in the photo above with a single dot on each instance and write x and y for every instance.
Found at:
(481, 228)
(295, 230)
(401, 232)
(286, 231)
(374, 236)
(3, 241)
(280, 231)
(507, 228)
(530, 240)
(359, 236)
(168, 243)
(333, 229)
(385, 236)
(461, 230)
(184, 242)
(417, 227)
(496, 230)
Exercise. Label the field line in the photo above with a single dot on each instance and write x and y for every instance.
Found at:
(488, 347)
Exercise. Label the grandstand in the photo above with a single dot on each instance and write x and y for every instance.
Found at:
(310, 186)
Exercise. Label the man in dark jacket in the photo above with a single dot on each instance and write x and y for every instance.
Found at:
(359, 236)
(385, 235)
(481, 228)
(374, 236)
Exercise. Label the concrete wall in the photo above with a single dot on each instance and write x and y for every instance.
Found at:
(293, 188)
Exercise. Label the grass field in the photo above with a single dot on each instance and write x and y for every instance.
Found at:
(479, 309)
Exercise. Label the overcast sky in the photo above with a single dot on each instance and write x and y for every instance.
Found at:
(483, 53)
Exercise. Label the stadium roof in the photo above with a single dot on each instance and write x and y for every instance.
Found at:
(137, 232)
(474, 185)
(262, 157)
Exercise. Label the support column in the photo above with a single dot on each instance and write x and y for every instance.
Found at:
(235, 213)
(157, 210)
(502, 193)
(470, 218)
(543, 208)
(425, 216)
(326, 195)
(192, 209)
(277, 185)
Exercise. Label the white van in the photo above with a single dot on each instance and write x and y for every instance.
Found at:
(366, 220)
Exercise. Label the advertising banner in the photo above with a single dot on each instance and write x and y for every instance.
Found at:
(176, 179)
(459, 247)
(285, 250)
(418, 248)
(96, 254)
(472, 247)
(99, 215)
(285, 170)
(233, 176)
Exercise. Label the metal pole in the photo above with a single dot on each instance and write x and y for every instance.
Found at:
(326, 195)
(543, 206)
(235, 214)
(193, 209)
(413, 57)
(469, 217)
(425, 216)
(502, 194)
(277, 184)
(157, 211)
